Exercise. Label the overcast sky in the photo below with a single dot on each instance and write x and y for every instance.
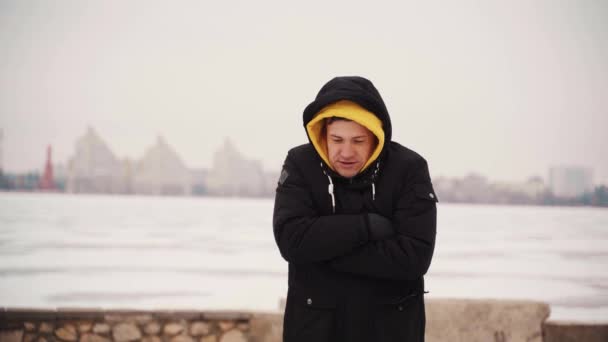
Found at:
(506, 89)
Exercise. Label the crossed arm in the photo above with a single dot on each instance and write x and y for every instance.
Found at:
(353, 243)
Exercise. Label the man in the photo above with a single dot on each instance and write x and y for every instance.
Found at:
(355, 217)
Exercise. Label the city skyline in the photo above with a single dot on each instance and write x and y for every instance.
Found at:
(506, 90)
(64, 164)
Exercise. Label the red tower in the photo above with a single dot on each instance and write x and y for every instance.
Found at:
(46, 182)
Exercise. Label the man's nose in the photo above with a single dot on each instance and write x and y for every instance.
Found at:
(347, 151)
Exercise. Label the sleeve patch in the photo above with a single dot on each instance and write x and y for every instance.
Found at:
(283, 178)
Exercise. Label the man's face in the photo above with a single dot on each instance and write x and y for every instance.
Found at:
(349, 146)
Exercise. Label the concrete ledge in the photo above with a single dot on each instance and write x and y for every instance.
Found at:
(64, 313)
(474, 320)
(575, 332)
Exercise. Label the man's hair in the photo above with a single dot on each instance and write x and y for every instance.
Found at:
(329, 121)
(335, 118)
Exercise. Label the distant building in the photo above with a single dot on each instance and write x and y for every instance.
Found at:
(271, 182)
(60, 173)
(47, 182)
(570, 181)
(234, 175)
(162, 172)
(199, 181)
(94, 168)
(532, 188)
(27, 181)
(475, 188)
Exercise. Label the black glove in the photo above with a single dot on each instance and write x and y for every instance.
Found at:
(379, 227)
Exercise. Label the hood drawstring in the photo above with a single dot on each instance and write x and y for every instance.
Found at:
(374, 176)
(330, 189)
(373, 191)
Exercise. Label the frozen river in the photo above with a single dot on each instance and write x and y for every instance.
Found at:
(59, 250)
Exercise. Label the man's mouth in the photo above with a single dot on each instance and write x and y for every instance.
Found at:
(347, 164)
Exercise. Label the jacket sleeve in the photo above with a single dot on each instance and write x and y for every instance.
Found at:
(407, 254)
(304, 236)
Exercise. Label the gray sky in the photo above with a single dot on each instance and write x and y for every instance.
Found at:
(506, 89)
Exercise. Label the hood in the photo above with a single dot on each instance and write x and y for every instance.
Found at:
(348, 110)
(354, 98)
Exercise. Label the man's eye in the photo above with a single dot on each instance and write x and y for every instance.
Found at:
(359, 141)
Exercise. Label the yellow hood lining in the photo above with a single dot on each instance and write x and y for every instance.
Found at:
(348, 110)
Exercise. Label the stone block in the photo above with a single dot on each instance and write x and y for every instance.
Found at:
(101, 328)
(233, 336)
(93, 338)
(46, 327)
(210, 338)
(152, 328)
(199, 328)
(29, 326)
(85, 327)
(226, 325)
(173, 329)
(152, 338)
(67, 332)
(125, 332)
(182, 338)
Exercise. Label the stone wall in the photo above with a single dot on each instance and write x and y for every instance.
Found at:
(447, 320)
(23, 325)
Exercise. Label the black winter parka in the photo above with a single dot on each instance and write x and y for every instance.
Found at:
(344, 285)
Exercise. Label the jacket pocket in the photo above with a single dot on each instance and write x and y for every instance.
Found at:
(400, 318)
(309, 317)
